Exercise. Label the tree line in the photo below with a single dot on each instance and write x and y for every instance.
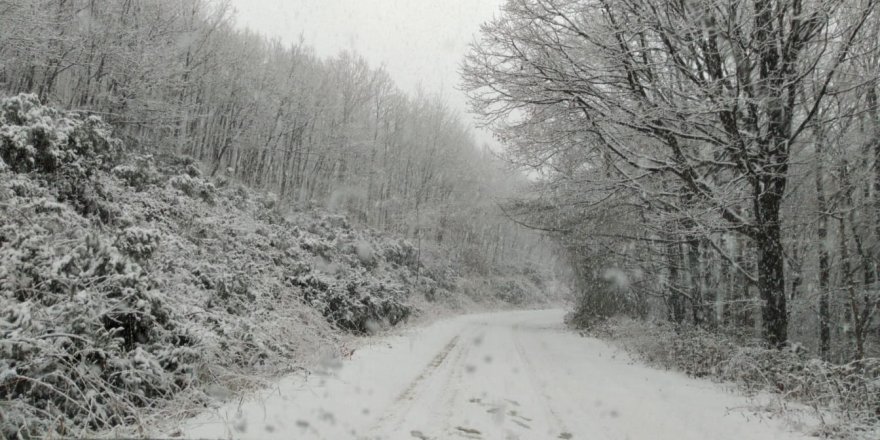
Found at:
(178, 76)
(711, 162)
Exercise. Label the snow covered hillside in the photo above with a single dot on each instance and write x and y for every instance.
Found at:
(133, 281)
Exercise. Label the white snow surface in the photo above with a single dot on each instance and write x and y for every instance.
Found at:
(509, 375)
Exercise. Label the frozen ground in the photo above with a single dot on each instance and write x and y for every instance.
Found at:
(514, 375)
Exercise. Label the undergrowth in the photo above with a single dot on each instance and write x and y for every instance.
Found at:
(845, 399)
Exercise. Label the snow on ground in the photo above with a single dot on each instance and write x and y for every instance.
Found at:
(511, 375)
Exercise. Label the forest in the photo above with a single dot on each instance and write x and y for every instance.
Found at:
(179, 77)
(190, 210)
(725, 156)
(184, 201)
(712, 167)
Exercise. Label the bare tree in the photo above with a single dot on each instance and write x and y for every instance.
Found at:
(705, 93)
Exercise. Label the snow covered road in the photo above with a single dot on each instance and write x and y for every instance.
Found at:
(512, 375)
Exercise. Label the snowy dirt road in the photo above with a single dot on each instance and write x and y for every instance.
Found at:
(512, 375)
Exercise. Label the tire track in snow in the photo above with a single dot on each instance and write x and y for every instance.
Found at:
(442, 385)
(452, 392)
(401, 403)
(532, 374)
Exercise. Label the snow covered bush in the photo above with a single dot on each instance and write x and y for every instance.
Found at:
(366, 255)
(359, 303)
(21, 186)
(316, 246)
(84, 338)
(193, 170)
(401, 253)
(138, 175)
(41, 139)
(234, 292)
(511, 291)
(34, 137)
(138, 243)
(269, 210)
(195, 187)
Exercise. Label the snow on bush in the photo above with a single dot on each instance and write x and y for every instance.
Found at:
(139, 175)
(34, 137)
(366, 255)
(138, 243)
(512, 291)
(84, 336)
(195, 187)
(401, 253)
(269, 210)
(358, 303)
(37, 138)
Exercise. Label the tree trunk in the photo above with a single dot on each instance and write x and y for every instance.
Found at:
(824, 271)
(846, 281)
(771, 264)
(696, 282)
(675, 301)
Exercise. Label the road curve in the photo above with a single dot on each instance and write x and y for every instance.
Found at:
(510, 375)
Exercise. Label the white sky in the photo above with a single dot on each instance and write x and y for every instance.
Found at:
(420, 42)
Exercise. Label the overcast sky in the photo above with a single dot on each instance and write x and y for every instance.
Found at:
(421, 42)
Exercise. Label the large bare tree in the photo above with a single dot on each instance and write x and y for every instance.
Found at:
(707, 93)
